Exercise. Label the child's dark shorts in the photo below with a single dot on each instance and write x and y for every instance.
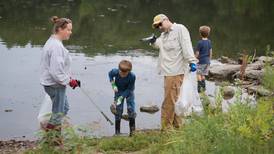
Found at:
(202, 69)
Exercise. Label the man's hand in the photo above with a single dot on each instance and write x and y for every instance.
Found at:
(73, 83)
(119, 100)
(192, 67)
(114, 87)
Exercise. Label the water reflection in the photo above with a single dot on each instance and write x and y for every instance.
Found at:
(107, 26)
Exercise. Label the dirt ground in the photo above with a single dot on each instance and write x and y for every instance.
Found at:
(13, 146)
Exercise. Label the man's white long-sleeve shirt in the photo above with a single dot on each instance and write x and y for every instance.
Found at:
(55, 63)
(176, 51)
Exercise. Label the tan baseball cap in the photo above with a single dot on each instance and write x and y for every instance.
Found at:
(158, 19)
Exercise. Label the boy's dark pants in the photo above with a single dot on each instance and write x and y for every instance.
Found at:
(130, 110)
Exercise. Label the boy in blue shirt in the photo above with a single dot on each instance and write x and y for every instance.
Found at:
(203, 54)
(123, 84)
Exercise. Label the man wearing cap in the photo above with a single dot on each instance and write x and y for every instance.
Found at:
(176, 57)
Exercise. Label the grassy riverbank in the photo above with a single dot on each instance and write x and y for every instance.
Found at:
(245, 128)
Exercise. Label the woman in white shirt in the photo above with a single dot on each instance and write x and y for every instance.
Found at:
(55, 71)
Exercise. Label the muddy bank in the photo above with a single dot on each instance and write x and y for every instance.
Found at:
(19, 147)
(13, 146)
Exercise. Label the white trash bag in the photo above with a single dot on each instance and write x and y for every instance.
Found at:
(45, 112)
(189, 99)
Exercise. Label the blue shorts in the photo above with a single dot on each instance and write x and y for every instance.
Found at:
(202, 69)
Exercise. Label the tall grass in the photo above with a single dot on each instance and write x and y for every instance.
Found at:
(244, 129)
(268, 77)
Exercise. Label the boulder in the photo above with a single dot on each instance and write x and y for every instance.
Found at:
(228, 92)
(259, 90)
(258, 65)
(227, 60)
(254, 74)
(266, 59)
(223, 71)
(124, 116)
(113, 108)
(251, 75)
(149, 109)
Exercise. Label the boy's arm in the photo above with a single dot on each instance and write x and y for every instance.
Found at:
(210, 54)
(111, 76)
(210, 50)
(197, 54)
(197, 50)
(130, 87)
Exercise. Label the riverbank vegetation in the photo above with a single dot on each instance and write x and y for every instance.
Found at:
(245, 128)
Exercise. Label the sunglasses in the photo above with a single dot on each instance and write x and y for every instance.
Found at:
(160, 24)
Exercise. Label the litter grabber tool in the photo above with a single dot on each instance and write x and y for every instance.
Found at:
(105, 116)
(151, 39)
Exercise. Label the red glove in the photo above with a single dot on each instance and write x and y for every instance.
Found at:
(74, 83)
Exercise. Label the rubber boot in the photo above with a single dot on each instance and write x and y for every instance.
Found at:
(204, 85)
(117, 127)
(131, 126)
(200, 83)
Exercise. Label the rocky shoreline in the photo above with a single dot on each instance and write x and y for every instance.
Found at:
(228, 70)
(14, 146)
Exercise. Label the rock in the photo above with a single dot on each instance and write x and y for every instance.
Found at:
(251, 75)
(13, 146)
(223, 71)
(253, 71)
(258, 65)
(149, 109)
(8, 110)
(244, 83)
(113, 109)
(254, 74)
(227, 60)
(259, 90)
(124, 116)
(222, 83)
(228, 92)
(266, 59)
(231, 70)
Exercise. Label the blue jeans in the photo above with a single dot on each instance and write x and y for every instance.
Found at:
(130, 106)
(60, 104)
